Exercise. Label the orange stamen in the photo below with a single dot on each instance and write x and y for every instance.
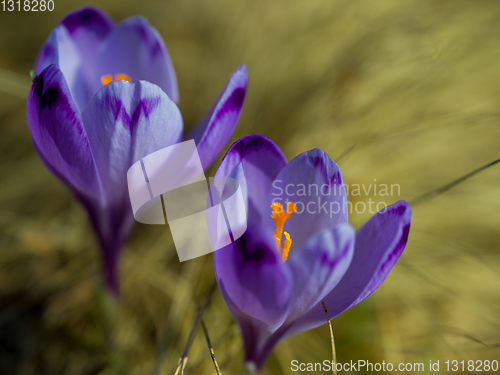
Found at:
(286, 247)
(108, 78)
(122, 76)
(280, 216)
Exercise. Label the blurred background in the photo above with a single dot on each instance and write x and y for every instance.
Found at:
(404, 92)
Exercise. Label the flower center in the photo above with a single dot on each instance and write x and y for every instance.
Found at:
(280, 216)
(108, 78)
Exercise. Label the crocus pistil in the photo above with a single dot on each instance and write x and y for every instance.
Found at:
(108, 78)
(280, 217)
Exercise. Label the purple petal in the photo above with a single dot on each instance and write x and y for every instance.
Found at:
(316, 269)
(88, 25)
(125, 122)
(76, 38)
(73, 47)
(215, 129)
(238, 174)
(61, 50)
(318, 266)
(88, 28)
(261, 160)
(255, 284)
(59, 135)
(135, 48)
(49, 53)
(314, 182)
(379, 244)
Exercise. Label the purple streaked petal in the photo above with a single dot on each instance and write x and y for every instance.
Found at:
(87, 27)
(255, 284)
(59, 135)
(307, 180)
(261, 161)
(318, 266)
(73, 50)
(88, 22)
(379, 244)
(135, 48)
(61, 50)
(73, 47)
(125, 122)
(214, 130)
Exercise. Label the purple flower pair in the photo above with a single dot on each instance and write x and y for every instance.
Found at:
(105, 96)
(272, 295)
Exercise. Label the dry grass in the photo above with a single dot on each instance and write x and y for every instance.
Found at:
(413, 86)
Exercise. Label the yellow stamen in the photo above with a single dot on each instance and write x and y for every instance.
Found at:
(108, 78)
(280, 216)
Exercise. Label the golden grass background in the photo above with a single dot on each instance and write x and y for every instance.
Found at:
(404, 92)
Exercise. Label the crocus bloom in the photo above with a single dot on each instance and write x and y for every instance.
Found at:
(276, 289)
(105, 96)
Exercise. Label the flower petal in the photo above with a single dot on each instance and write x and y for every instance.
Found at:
(125, 122)
(318, 266)
(379, 244)
(77, 38)
(61, 50)
(261, 160)
(49, 53)
(135, 48)
(87, 28)
(59, 135)
(314, 182)
(214, 130)
(316, 269)
(255, 284)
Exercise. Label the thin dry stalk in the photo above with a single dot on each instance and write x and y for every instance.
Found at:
(332, 340)
(181, 365)
(451, 184)
(212, 353)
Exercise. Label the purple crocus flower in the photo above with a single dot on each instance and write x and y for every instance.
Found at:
(104, 97)
(273, 294)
